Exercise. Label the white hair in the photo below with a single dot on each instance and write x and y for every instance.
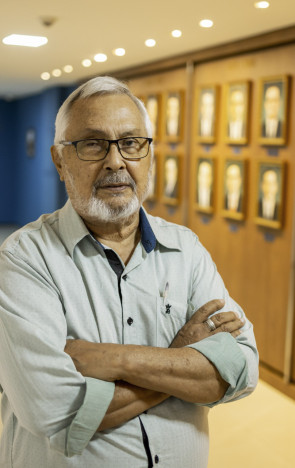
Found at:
(98, 86)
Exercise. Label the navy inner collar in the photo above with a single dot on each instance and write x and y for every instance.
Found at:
(148, 238)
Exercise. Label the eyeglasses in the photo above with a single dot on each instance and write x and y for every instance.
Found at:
(97, 149)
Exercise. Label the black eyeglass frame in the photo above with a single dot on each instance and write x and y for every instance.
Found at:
(110, 142)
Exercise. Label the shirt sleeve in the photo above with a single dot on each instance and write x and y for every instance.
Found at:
(46, 393)
(236, 359)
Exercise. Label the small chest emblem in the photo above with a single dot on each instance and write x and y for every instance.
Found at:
(168, 307)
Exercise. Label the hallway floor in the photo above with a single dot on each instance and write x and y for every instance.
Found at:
(255, 432)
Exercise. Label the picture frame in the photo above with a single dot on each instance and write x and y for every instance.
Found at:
(234, 188)
(171, 182)
(206, 112)
(173, 116)
(204, 184)
(30, 141)
(153, 107)
(270, 194)
(154, 184)
(237, 112)
(273, 110)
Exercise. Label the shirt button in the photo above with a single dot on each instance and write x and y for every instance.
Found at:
(130, 321)
(157, 459)
(125, 277)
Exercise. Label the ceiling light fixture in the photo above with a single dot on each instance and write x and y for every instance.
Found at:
(176, 33)
(56, 72)
(45, 76)
(119, 52)
(25, 41)
(261, 5)
(68, 69)
(100, 57)
(206, 23)
(150, 42)
(86, 63)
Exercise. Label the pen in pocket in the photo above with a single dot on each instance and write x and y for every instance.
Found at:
(165, 293)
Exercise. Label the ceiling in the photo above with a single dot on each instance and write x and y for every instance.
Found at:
(83, 29)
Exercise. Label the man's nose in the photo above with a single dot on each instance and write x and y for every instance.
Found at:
(113, 160)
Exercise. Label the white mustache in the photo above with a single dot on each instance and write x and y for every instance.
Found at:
(115, 179)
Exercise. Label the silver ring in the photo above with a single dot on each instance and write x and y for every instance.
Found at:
(210, 324)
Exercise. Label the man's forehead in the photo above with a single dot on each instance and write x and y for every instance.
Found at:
(99, 112)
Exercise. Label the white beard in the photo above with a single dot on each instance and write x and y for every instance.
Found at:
(95, 209)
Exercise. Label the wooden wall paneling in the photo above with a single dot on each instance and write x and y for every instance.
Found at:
(254, 262)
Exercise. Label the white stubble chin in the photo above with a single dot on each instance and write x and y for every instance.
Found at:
(96, 209)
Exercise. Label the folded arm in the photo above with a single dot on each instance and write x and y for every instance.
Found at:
(146, 376)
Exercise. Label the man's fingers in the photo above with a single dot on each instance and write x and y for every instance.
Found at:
(236, 333)
(229, 326)
(207, 309)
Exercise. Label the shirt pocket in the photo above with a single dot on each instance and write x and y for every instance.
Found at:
(171, 318)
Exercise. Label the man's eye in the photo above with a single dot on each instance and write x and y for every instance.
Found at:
(92, 143)
(130, 143)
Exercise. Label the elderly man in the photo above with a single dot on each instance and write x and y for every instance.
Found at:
(108, 355)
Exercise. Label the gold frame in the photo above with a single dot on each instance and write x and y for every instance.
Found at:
(180, 117)
(244, 87)
(214, 90)
(284, 83)
(280, 168)
(157, 126)
(156, 177)
(195, 199)
(238, 214)
(172, 200)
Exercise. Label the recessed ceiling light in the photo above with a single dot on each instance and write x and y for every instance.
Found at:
(119, 52)
(100, 57)
(150, 42)
(56, 72)
(206, 23)
(68, 69)
(86, 63)
(176, 33)
(26, 41)
(45, 76)
(261, 4)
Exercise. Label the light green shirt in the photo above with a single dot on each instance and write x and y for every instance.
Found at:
(56, 283)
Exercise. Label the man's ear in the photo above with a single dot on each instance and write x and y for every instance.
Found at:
(57, 160)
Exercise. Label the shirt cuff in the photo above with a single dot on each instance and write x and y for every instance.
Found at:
(76, 437)
(224, 353)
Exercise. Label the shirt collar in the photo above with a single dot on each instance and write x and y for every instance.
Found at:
(72, 227)
(162, 232)
(73, 230)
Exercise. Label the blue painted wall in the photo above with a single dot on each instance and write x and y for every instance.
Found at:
(7, 162)
(29, 186)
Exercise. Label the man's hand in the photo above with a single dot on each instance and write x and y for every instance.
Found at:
(196, 329)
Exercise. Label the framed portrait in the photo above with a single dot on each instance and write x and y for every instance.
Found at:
(153, 107)
(270, 193)
(31, 142)
(153, 189)
(237, 113)
(171, 179)
(206, 114)
(273, 111)
(173, 116)
(204, 184)
(234, 189)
